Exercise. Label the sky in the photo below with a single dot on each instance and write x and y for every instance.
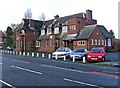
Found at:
(104, 11)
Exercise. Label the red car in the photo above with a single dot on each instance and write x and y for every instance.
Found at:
(96, 54)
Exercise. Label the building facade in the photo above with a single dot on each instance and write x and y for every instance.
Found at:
(74, 31)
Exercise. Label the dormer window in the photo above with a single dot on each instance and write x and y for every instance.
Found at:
(56, 30)
(49, 31)
(72, 27)
(42, 32)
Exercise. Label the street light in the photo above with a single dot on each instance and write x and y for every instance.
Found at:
(23, 39)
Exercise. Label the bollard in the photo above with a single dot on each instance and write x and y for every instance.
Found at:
(37, 54)
(32, 54)
(83, 59)
(20, 53)
(43, 55)
(28, 54)
(49, 56)
(23, 53)
(73, 58)
(64, 58)
(56, 57)
(13, 52)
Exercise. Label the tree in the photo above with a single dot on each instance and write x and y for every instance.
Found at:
(42, 17)
(112, 33)
(28, 14)
(9, 39)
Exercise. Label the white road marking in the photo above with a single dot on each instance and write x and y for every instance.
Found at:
(6, 83)
(64, 68)
(21, 61)
(1, 63)
(28, 70)
(81, 83)
(46, 65)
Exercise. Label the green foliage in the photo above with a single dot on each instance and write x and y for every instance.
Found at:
(112, 33)
(9, 39)
(9, 31)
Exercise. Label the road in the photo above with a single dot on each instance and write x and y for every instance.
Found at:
(23, 72)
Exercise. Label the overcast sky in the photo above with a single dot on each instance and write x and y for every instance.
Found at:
(104, 11)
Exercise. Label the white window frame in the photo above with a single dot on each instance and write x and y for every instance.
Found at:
(105, 43)
(49, 31)
(64, 29)
(99, 42)
(37, 43)
(56, 30)
(42, 32)
(102, 42)
(92, 41)
(95, 41)
(81, 42)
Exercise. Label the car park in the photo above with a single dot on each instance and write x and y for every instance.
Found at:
(61, 52)
(79, 53)
(96, 54)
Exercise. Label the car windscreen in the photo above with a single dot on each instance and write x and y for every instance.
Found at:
(96, 51)
(60, 50)
(79, 50)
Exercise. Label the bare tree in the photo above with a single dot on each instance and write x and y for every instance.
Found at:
(42, 17)
(28, 14)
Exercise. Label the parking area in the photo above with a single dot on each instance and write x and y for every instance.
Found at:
(113, 56)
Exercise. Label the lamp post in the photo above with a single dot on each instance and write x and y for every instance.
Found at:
(23, 40)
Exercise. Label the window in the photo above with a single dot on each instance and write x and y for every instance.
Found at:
(64, 29)
(37, 43)
(52, 43)
(98, 41)
(95, 41)
(81, 42)
(102, 42)
(28, 43)
(92, 42)
(56, 30)
(49, 31)
(46, 43)
(105, 42)
(72, 27)
(42, 32)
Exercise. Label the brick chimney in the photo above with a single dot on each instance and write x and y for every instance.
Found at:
(56, 16)
(89, 14)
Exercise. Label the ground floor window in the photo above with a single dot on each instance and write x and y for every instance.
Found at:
(37, 43)
(52, 43)
(46, 43)
(81, 42)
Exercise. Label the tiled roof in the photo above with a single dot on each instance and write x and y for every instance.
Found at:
(104, 31)
(86, 32)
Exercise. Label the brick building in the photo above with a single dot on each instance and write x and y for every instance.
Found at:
(2, 40)
(77, 30)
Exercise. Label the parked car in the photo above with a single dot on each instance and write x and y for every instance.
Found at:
(96, 54)
(9, 49)
(79, 53)
(61, 52)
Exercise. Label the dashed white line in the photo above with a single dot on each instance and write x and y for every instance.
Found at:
(1, 63)
(73, 70)
(7, 84)
(28, 70)
(21, 61)
(81, 83)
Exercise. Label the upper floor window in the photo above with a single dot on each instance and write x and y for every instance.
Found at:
(72, 27)
(56, 30)
(102, 42)
(64, 29)
(49, 31)
(92, 42)
(42, 32)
